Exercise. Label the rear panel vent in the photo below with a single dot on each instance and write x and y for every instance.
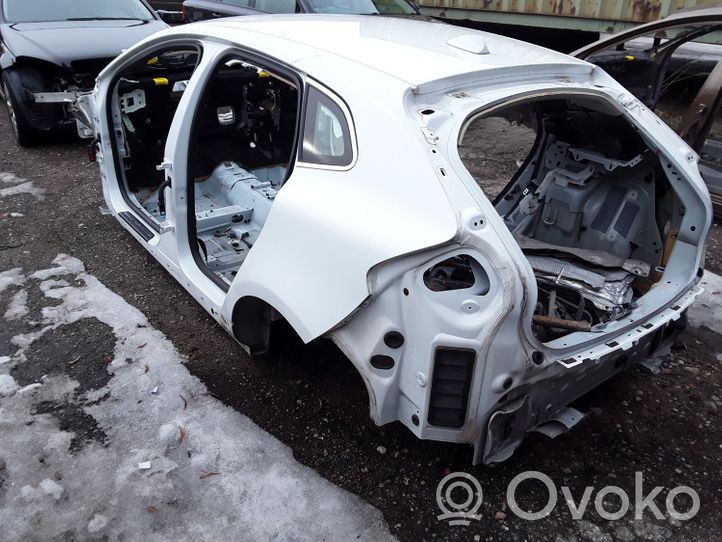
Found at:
(450, 386)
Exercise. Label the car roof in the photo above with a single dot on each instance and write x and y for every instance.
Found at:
(414, 51)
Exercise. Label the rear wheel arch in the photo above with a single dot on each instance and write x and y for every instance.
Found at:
(251, 323)
(252, 318)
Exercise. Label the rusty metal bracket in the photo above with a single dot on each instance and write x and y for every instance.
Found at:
(699, 118)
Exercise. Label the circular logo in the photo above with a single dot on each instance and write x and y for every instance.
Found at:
(459, 496)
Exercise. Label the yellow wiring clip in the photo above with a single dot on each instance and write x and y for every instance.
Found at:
(153, 60)
(629, 58)
(160, 81)
(263, 74)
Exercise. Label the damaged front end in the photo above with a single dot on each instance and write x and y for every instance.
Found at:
(582, 264)
(48, 94)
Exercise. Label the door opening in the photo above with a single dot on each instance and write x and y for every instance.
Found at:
(241, 152)
(145, 99)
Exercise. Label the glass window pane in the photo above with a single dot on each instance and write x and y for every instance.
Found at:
(327, 137)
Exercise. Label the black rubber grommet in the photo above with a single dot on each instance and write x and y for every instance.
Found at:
(382, 362)
(537, 357)
(394, 339)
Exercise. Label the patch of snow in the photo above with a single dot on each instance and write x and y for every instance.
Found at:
(52, 488)
(30, 387)
(97, 523)
(593, 533)
(214, 474)
(24, 188)
(707, 309)
(11, 277)
(10, 178)
(27, 492)
(18, 306)
(24, 340)
(50, 284)
(62, 265)
(8, 386)
(5, 359)
(20, 186)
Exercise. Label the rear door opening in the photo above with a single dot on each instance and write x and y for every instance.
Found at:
(242, 144)
(242, 149)
(591, 203)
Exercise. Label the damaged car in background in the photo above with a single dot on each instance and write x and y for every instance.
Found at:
(51, 51)
(486, 229)
(675, 66)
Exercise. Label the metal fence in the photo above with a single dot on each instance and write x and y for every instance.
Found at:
(588, 15)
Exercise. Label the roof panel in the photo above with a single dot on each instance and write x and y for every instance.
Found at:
(411, 50)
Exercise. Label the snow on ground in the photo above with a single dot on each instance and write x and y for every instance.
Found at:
(176, 464)
(19, 186)
(707, 310)
(18, 306)
(10, 178)
(11, 277)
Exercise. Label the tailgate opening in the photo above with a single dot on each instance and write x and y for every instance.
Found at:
(595, 206)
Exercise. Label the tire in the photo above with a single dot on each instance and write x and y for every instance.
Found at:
(25, 134)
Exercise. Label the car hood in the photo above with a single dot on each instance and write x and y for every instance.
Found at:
(66, 41)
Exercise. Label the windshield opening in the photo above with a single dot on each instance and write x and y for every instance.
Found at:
(37, 11)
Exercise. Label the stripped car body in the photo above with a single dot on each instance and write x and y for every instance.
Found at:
(312, 173)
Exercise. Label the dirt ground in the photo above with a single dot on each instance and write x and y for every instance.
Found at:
(310, 398)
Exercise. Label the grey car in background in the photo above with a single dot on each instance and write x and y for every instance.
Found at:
(198, 10)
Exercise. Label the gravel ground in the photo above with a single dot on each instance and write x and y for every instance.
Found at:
(667, 426)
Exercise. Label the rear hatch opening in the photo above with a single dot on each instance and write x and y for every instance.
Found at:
(594, 206)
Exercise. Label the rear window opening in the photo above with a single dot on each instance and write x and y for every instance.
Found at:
(588, 201)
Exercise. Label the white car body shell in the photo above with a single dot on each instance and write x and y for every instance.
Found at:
(340, 245)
